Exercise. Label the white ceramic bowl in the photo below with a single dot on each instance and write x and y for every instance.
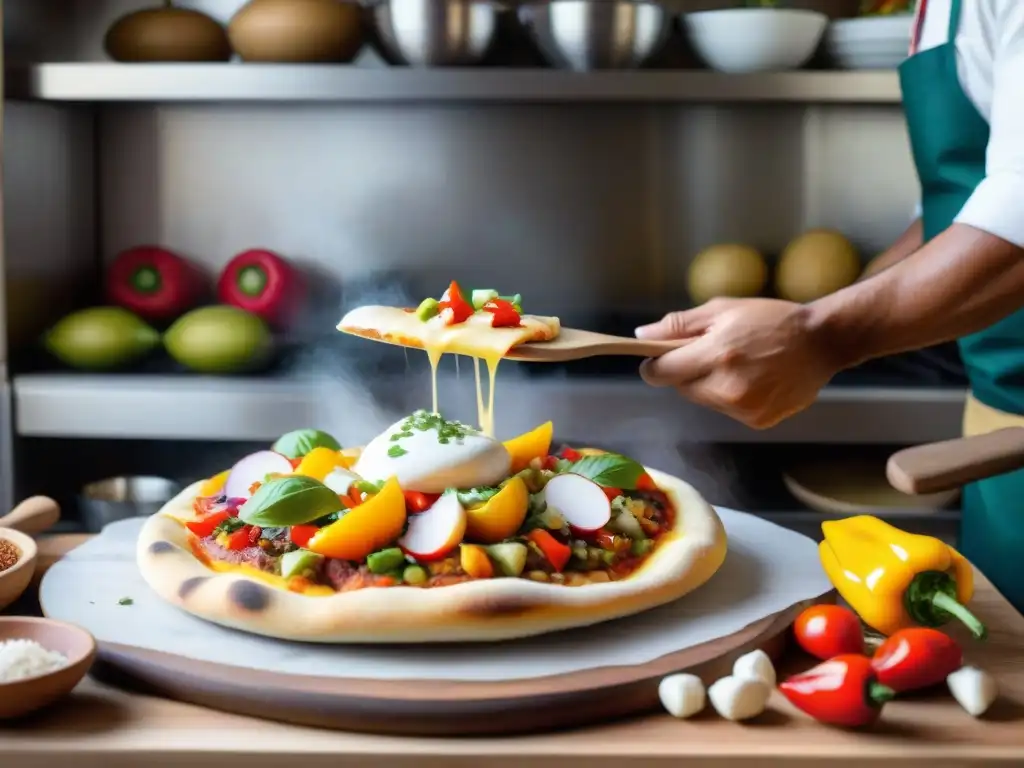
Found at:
(869, 43)
(743, 40)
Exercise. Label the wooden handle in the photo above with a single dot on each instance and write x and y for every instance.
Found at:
(33, 516)
(950, 464)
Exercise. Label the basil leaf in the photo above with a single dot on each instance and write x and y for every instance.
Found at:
(610, 470)
(289, 501)
(297, 444)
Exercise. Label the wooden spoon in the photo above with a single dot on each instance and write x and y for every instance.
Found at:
(575, 344)
(952, 463)
(32, 516)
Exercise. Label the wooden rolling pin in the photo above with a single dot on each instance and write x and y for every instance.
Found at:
(950, 464)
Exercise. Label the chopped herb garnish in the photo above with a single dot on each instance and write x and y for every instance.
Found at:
(229, 525)
(125, 601)
(423, 421)
(396, 450)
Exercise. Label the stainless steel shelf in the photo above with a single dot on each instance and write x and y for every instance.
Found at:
(105, 82)
(600, 410)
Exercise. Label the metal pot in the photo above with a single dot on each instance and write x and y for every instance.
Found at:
(435, 33)
(584, 35)
(119, 498)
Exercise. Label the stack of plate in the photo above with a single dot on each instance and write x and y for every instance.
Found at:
(871, 42)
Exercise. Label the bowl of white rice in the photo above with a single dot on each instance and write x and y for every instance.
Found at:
(41, 661)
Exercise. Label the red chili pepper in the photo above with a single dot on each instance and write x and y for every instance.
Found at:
(826, 631)
(612, 493)
(263, 283)
(842, 691)
(254, 535)
(154, 283)
(916, 658)
(416, 502)
(301, 534)
(453, 306)
(556, 552)
(239, 539)
(205, 525)
(570, 454)
(503, 314)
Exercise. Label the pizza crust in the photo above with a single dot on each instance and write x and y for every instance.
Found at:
(492, 609)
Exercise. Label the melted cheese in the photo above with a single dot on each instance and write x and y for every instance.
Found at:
(475, 338)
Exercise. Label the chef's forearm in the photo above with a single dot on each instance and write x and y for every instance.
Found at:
(904, 246)
(961, 282)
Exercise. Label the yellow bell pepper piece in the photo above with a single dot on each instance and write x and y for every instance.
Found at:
(374, 524)
(475, 562)
(894, 579)
(532, 445)
(500, 516)
(320, 462)
(214, 485)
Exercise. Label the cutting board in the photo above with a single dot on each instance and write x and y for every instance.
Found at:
(555, 681)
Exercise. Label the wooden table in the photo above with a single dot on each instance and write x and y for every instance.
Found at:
(102, 727)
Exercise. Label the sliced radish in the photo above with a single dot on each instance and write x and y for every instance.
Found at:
(341, 480)
(254, 468)
(582, 502)
(434, 533)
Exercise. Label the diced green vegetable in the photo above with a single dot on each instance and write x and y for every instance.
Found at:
(472, 497)
(625, 523)
(365, 486)
(427, 309)
(609, 558)
(516, 301)
(509, 556)
(641, 547)
(386, 560)
(415, 575)
(481, 296)
(298, 561)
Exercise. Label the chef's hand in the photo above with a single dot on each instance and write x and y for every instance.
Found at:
(756, 360)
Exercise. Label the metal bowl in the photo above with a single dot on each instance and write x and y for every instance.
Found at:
(120, 498)
(597, 34)
(435, 33)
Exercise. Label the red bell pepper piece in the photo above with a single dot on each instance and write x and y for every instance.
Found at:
(556, 552)
(571, 454)
(842, 691)
(453, 306)
(550, 463)
(826, 631)
(301, 534)
(503, 314)
(416, 502)
(263, 283)
(916, 658)
(154, 283)
(612, 493)
(238, 540)
(206, 525)
(646, 483)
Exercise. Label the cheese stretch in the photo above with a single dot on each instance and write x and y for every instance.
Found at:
(474, 338)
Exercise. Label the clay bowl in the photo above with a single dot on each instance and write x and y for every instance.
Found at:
(25, 696)
(32, 516)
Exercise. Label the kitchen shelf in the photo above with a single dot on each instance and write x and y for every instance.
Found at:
(232, 82)
(612, 411)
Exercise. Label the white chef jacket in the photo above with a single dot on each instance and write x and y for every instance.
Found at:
(990, 59)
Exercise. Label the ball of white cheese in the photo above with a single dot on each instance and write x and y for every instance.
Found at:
(428, 454)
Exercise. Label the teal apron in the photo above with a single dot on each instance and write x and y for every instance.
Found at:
(949, 139)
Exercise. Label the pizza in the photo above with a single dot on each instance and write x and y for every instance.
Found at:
(432, 532)
(481, 324)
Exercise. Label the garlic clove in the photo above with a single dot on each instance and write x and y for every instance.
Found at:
(974, 689)
(737, 699)
(756, 665)
(682, 695)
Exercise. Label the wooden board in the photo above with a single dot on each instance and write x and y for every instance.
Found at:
(432, 707)
(417, 707)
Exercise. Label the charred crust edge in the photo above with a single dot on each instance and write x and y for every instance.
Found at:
(161, 548)
(506, 606)
(249, 596)
(188, 586)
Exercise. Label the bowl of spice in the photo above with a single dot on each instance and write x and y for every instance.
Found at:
(17, 564)
(41, 661)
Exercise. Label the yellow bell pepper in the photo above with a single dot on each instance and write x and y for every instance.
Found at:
(375, 523)
(501, 516)
(215, 484)
(320, 462)
(894, 579)
(531, 445)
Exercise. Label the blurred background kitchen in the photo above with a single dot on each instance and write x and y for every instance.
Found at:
(609, 160)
